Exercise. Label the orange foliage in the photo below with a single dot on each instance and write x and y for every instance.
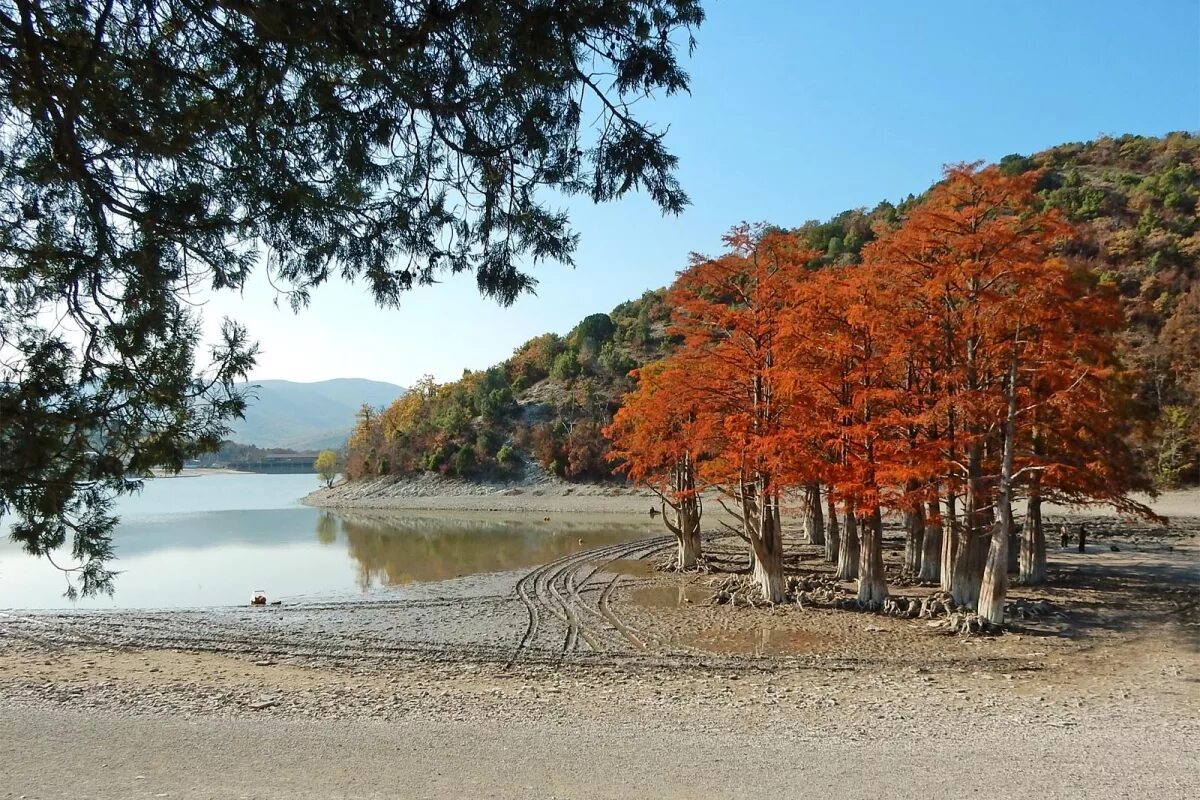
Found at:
(965, 356)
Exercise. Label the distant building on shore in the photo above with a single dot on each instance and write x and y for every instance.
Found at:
(276, 463)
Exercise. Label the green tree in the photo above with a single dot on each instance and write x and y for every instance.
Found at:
(154, 148)
(594, 329)
(327, 466)
(493, 394)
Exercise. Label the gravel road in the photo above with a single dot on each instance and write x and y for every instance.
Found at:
(55, 753)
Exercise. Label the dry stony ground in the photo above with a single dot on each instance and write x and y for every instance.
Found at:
(584, 678)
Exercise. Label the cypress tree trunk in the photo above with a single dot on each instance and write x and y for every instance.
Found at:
(768, 551)
(914, 540)
(872, 588)
(686, 510)
(970, 558)
(994, 586)
(931, 546)
(1013, 555)
(973, 539)
(848, 552)
(832, 536)
(814, 517)
(689, 535)
(689, 551)
(1033, 542)
(686, 551)
(949, 541)
(749, 509)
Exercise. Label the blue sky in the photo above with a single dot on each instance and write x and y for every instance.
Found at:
(798, 110)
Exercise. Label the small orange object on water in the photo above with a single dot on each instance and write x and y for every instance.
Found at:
(259, 598)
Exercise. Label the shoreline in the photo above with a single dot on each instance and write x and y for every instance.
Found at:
(196, 472)
(551, 496)
(438, 494)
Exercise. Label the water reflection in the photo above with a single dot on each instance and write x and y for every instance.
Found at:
(399, 550)
(327, 528)
(677, 596)
(214, 540)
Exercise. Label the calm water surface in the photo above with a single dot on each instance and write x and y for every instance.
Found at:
(216, 539)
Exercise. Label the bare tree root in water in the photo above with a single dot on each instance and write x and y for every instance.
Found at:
(703, 566)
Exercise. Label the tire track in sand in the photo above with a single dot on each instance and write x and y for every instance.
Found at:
(555, 588)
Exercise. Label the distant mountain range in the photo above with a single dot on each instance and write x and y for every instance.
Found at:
(308, 416)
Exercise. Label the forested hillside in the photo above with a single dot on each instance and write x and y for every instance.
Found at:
(1134, 200)
(546, 405)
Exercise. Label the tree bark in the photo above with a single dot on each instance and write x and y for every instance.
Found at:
(1033, 543)
(686, 528)
(970, 559)
(848, 552)
(949, 542)
(832, 536)
(747, 500)
(973, 539)
(994, 587)
(814, 521)
(768, 550)
(914, 540)
(931, 546)
(687, 510)
(872, 588)
(689, 550)
(1013, 555)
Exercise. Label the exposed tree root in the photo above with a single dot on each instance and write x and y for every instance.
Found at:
(907, 579)
(703, 566)
(822, 591)
(965, 623)
(1031, 610)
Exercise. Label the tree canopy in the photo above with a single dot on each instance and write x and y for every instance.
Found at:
(152, 149)
(967, 359)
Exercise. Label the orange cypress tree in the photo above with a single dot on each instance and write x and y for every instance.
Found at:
(659, 440)
(728, 311)
(1073, 418)
(988, 295)
(965, 261)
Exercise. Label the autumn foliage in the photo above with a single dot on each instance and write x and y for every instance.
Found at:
(967, 364)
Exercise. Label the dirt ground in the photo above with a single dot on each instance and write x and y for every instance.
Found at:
(599, 676)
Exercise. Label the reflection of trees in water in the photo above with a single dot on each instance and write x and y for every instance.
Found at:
(395, 551)
(327, 528)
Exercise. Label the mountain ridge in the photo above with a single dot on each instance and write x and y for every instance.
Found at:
(307, 415)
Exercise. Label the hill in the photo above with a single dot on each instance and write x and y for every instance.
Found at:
(1133, 198)
(307, 416)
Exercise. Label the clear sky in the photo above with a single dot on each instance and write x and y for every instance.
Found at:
(798, 110)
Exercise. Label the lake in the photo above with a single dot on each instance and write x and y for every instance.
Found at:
(214, 540)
